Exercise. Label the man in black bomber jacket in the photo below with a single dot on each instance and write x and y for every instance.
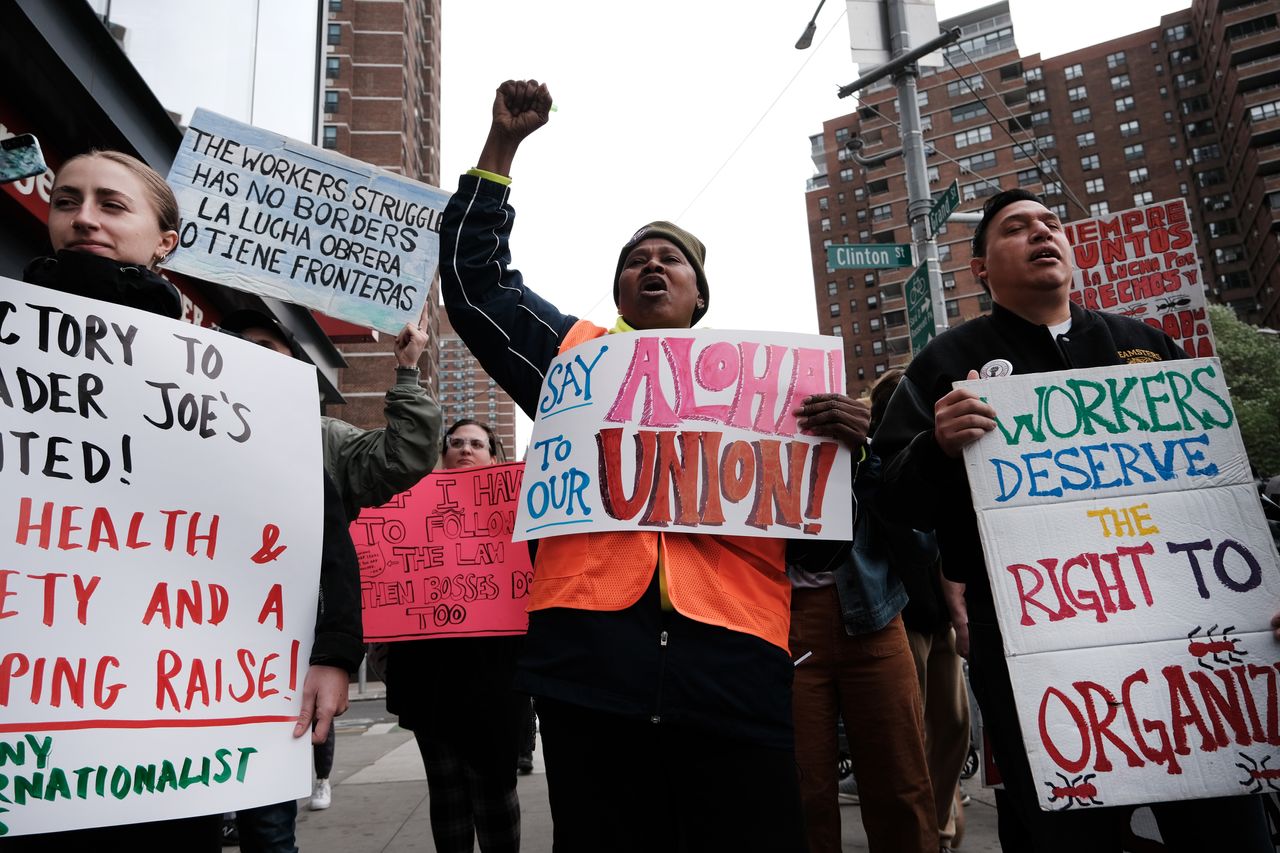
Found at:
(1023, 259)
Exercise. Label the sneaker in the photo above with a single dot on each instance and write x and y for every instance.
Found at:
(524, 765)
(321, 795)
(848, 789)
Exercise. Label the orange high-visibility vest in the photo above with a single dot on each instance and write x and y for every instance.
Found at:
(737, 582)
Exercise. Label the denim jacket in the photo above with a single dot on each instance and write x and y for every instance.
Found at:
(870, 593)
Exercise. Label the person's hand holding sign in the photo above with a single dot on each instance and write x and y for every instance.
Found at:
(960, 418)
(409, 345)
(835, 416)
(324, 696)
(520, 108)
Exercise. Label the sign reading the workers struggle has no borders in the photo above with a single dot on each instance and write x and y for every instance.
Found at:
(159, 553)
(687, 431)
(1135, 578)
(277, 217)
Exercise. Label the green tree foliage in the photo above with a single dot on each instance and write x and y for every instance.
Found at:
(1251, 364)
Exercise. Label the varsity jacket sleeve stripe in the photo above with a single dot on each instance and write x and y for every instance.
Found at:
(512, 332)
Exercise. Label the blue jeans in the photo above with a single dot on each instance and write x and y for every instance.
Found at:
(268, 829)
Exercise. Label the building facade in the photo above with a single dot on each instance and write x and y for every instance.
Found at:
(1186, 109)
(466, 391)
(380, 103)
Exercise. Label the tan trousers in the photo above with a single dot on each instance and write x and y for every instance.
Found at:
(946, 724)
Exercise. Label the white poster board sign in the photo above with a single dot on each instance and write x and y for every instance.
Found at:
(687, 431)
(160, 510)
(277, 217)
(1143, 263)
(1135, 579)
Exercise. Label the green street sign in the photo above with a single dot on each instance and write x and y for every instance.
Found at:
(944, 206)
(876, 256)
(919, 308)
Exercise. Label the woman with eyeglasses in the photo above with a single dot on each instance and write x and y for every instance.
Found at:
(455, 695)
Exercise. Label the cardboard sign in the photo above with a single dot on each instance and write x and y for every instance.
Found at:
(690, 431)
(277, 217)
(438, 560)
(160, 509)
(1143, 263)
(1135, 578)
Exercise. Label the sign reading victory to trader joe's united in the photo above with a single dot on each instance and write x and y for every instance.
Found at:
(273, 216)
(159, 551)
(1135, 579)
(687, 431)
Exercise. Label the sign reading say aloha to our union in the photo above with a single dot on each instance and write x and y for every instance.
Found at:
(687, 431)
(1135, 578)
(274, 216)
(159, 550)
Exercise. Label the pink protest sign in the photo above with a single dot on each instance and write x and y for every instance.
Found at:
(437, 560)
(1143, 263)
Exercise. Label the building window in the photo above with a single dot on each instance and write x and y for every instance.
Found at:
(944, 251)
(842, 134)
(837, 331)
(1077, 93)
(1130, 128)
(985, 160)
(874, 324)
(1047, 142)
(1036, 96)
(1205, 152)
(824, 203)
(1176, 33)
(862, 373)
(968, 192)
(965, 85)
(1262, 112)
(826, 224)
(1027, 177)
(1039, 118)
(973, 137)
(330, 136)
(1074, 71)
(1084, 140)
(984, 302)
(831, 288)
(1125, 104)
(872, 302)
(877, 347)
(332, 67)
(878, 187)
(1009, 72)
(1094, 186)
(882, 212)
(1115, 60)
(846, 174)
(948, 281)
(1033, 74)
(330, 101)
(869, 279)
(1139, 175)
(1142, 198)
(856, 327)
(953, 307)
(1060, 211)
(834, 309)
(335, 5)
(966, 112)
(880, 368)
(1120, 81)
(1081, 115)
(1099, 208)
(334, 34)
(1090, 162)
(1134, 152)
(1052, 188)
(934, 175)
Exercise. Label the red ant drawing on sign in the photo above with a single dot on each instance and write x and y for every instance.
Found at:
(1215, 648)
(1134, 310)
(1259, 773)
(1075, 791)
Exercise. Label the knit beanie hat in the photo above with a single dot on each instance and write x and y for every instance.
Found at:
(695, 253)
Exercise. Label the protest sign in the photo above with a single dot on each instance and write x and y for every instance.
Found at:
(437, 560)
(1143, 263)
(1135, 578)
(159, 552)
(690, 431)
(274, 216)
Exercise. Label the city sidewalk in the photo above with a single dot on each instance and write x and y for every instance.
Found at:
(380, 798)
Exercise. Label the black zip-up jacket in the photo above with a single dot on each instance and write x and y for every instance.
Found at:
(926, 489)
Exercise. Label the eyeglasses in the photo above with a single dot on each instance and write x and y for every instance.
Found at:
(457, 443)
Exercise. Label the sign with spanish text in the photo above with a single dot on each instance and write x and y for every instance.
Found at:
(280, 218)
(437, 560)
(1135, 579)
(1143, 263)
(687, 431)
(160, 515)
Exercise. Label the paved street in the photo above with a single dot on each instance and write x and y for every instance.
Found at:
(380, 797)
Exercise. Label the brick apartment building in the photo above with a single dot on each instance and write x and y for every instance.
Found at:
(381, 104)
(1187, 109)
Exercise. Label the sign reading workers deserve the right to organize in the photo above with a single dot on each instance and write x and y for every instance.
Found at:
(1134, 578)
